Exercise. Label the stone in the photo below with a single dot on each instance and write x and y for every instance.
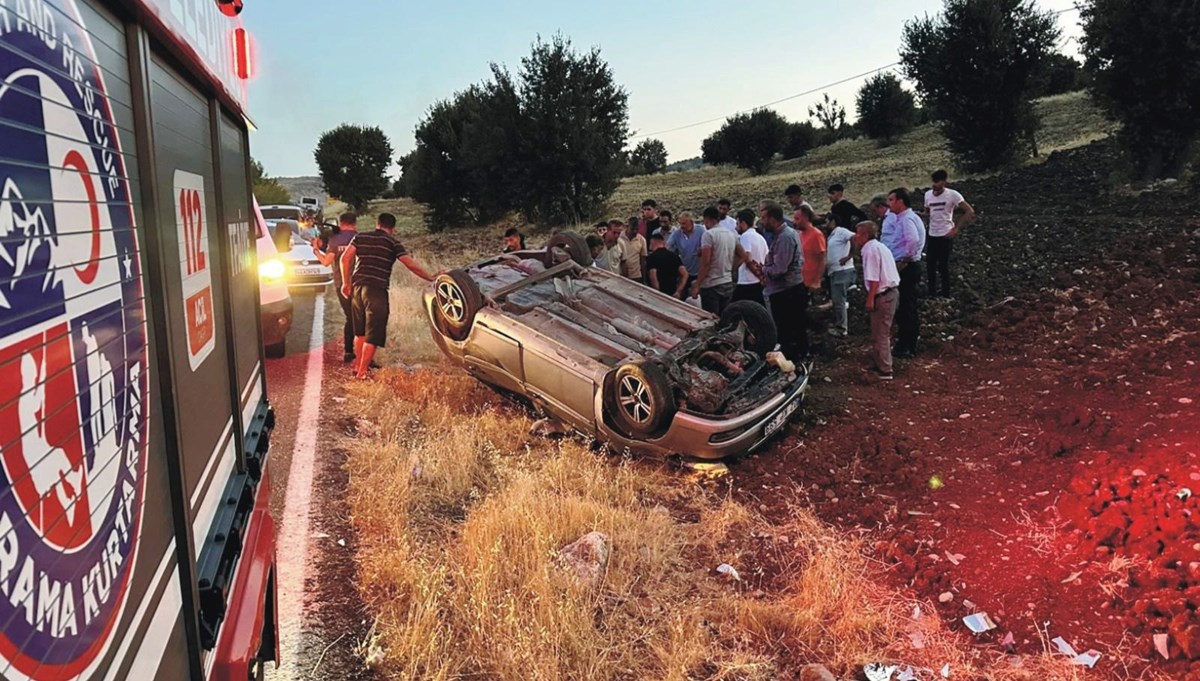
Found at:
(945, 597)
(587, 558)
(816, 672)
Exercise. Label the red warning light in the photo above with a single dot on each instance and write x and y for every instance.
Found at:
(230, 8)
(242, 58)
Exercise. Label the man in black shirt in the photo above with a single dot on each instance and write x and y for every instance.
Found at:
(847, 213)
(665, 271)
(367, 287)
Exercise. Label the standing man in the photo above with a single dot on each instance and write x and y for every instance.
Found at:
(685, 242)
(795, 197)
(367, 287)
(610, 258)
(330, 255)
(727, 220)
(514, 240)
(749, 286)
(841, 276)
(720, 253)
(648, 224)
(633, 251)
(812, 242)
(940, 204)
(903, 234)
(665, 270)
(783, 282)
(882, 281)
(847, 213)
(664, 224)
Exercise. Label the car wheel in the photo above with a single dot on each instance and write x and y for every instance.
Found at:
(642, 397)
(574, 245)
(761, 333)
(456, 299)
(276, 350)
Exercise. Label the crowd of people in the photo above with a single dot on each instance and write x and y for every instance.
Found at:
(785, 257)
(792, 258)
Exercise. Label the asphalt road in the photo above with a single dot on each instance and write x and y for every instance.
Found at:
(322, 620)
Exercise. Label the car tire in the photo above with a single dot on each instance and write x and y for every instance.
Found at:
(276, 350)
(574, 245)
(761, 332)
(456, 300)
(642, 400)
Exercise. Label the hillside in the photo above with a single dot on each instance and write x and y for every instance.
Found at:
(1068, 121)
(304, 186)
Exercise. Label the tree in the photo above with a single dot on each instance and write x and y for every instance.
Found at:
(799, 139)
(748, 141)
(353, 161)
(267, 189)
(648, 157)
(885, 109)
(972, 66)
(831, 116)
(571, 132)
(1057, 74)
(1144, 59)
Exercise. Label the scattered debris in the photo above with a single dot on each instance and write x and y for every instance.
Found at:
(320, 535)
(946, 671)
(907, 675)
(1185, 400)
(1087, 659)
(1160, 644)
(365, 427)
(785, 365)
(339, 400)
(1184, 494)
(877, 671)
(1074, 576)
(1009, 642)
(587, 557)
(969, 605)
(955, 558)
(979, 622)
(935, 482)
(707, 468)
(341, 542)
(964, 416)
(729, 571)
(945, 597)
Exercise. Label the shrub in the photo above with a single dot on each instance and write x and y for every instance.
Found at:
(885, 109)
(748, 141)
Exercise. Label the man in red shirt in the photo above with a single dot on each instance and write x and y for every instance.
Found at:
(812, 244)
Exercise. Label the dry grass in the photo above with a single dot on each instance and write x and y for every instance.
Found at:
(460, 513)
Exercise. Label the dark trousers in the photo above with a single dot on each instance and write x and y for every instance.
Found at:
(938, 249)
(715, 299)
(789, 308)
(348, 327)
(908, 313)
(749, 292)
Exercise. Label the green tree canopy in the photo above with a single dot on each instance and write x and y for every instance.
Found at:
(972, 65)
(648, 157)
(885, 109)
(353, 161)
(1144, 58)
(748, 141)
(267, 189)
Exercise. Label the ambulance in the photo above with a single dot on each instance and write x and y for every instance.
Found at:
(135, 535)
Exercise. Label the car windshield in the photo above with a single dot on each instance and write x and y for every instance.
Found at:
(281, 213)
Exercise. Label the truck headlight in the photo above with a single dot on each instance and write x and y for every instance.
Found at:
(271, 269)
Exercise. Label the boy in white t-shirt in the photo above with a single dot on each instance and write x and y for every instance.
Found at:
(839, 265)
(882, 280)
(940, 204)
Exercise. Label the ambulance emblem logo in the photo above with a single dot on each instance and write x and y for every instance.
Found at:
(73, 365)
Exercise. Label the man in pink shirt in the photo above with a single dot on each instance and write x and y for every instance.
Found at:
(882, 280)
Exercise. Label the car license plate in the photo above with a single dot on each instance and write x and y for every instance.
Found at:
(781, 418)
(309, 271)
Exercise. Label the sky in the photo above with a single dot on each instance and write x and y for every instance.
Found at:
(384, 62)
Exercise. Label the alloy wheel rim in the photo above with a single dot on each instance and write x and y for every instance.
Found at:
(450, 301)
(634, 399)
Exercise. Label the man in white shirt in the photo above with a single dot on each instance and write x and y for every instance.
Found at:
(940, 205)
(839, 265)
(882, 280)
(749, 286)
(611, 257)
(727, 220)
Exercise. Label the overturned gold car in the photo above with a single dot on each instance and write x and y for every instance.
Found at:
(615, 359)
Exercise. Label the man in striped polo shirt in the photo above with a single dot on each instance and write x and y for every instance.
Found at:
(367, 287)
